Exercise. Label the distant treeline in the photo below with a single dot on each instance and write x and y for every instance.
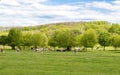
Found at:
(65, 35)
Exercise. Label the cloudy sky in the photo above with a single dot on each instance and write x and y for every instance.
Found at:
(35, 12)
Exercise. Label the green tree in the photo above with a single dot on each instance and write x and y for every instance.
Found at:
(89, 38)
(63, 38)
(78, 40)
(3, 40)
(14, 38)
(53, 40)
(104, 38)
(27, 39)
(115, 41)
(115, 28)
(39, 39)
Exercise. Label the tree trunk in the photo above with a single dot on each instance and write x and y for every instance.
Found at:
(115, 48)
(86, 48)
(104, 48)
(13, 47)
(68, 48)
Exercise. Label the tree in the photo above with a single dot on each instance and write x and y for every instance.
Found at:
(14, 38)
(27, 39)
(39, 39)
(115, 28)
(104, 38)
(3, 40)
(78, 40)
(89, 38)
(63, 38)
(115, 41)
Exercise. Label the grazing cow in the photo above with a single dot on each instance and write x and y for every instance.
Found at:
(76, 49)
(58, 50)
(36, 49)
(50, 49)
(18, 49)
(44, 49)
(61, 50)
(64, 50)
(2, 49)
(32, 48)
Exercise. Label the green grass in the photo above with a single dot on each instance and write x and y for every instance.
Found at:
(60, 63)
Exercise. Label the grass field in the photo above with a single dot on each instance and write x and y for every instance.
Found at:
(60, 63)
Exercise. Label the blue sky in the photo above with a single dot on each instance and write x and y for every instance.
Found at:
(37, 12)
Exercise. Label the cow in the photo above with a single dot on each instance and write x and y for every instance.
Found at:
(2, 49)
(50, 49)
(36, 49)
(76, 49)
(64, 50)
(18, 49)
(61, 50)
(58, 50)
(32, 48)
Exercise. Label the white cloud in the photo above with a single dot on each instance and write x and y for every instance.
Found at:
(117, 2)
(34, 12)
(31, 1)
(9, 2)
(114, 6)
(104, 5)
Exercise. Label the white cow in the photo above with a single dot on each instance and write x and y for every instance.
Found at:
(36, 49)
(18, 49)
(76, 49)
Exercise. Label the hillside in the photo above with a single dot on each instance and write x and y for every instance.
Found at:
(77, 26)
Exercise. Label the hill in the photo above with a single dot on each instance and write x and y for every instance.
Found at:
(76, 26)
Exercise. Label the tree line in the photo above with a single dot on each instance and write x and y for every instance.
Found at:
(82, 34)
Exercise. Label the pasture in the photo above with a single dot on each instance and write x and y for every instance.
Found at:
(60, 63)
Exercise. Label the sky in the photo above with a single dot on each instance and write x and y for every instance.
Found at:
(37, 12)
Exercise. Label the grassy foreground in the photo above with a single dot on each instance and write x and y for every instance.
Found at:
(60, 63)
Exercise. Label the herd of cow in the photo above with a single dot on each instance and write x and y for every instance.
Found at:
(37, 49)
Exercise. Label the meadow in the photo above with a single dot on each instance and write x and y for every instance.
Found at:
(60, 63)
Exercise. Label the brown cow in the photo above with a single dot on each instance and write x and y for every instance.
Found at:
(2, 49)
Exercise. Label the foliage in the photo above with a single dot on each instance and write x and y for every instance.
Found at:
(104, 38)
(27, 39)
(3, 40)
(14, 37)
(63, 38)
(89, 38)
(115, 40)
(68, 34)
(115, 28)
(39, 39)
(78, 40)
